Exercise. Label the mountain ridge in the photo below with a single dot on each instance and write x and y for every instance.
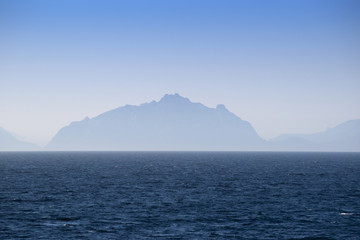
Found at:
(172, 123)
(343, 137)
(10, 143)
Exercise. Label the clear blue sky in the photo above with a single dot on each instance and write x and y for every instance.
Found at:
(285, 66)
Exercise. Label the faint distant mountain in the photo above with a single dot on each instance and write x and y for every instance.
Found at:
(343, 137)
(9, 143)
(173, 123)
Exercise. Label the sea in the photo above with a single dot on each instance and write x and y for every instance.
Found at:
(179, 195)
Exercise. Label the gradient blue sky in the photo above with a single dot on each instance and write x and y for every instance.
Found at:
(285, 66)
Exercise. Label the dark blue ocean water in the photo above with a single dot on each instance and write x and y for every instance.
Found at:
(169, 195)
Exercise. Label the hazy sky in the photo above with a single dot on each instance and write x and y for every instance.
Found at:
(285, 66)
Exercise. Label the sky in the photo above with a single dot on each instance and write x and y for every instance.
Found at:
(284, 66)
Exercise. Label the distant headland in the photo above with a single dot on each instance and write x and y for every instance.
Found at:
(176, 124)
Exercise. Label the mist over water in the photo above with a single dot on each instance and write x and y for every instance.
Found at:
(179, 195)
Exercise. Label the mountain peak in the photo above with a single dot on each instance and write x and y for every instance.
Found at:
(173, 98)
(221, 107)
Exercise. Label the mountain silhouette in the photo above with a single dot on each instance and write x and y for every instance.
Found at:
(9, 143)
(343, 137)
(173, 123)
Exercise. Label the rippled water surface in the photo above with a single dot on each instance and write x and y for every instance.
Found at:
(199, 195)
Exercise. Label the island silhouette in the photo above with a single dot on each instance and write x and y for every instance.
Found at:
(174, 123)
